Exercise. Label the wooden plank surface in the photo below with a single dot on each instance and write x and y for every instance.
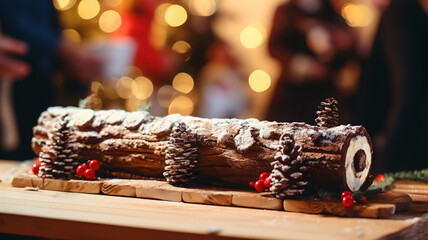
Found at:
(201, 220)
(380, 206)
(68, 215)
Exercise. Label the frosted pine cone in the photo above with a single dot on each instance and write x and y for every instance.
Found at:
(60, 161)
(288, 177)
(328, 114)
(181, 156)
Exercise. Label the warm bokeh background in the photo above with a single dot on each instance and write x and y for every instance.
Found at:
(171, 52)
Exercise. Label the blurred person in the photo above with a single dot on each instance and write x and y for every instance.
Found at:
(392, 103)
(30, 49)
(223, 88)
(313, 45)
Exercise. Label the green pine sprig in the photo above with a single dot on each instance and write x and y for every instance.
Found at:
(416, 175)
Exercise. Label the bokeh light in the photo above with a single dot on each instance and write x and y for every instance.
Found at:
(357, 15)
(132, 71)
(165, 94)
(110, 21)
(183, 82)
(157, 36)
(124, 87)
(96, 87)
(63, 5)
(181, 47)
(112, 3)
(142, 88)
(175, 15)
(182, 105)
(203, 8)
(251, 37)
(88, 9)
(71, 35)
(259, 81)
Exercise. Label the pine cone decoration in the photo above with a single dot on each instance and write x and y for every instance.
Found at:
(181, 156)
(60, 162)
(328, 114)
(288, 177)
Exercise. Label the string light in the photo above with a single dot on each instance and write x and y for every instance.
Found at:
(182, 105)
(88, 9)
(259, 81)
(251, 37)
(110, 21)
(357, 15)
(142, 88)
(175, 15)
(183, 82)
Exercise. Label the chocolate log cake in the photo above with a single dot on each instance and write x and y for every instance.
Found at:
(216, 152)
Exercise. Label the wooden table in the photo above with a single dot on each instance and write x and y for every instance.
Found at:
(67, 215)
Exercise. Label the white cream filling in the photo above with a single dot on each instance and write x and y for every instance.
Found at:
(355, 179)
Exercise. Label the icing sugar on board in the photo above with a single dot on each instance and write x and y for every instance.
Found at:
(382, 207)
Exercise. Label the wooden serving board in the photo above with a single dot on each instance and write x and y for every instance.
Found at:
(381, 206)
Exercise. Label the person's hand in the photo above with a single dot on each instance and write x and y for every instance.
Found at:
(80, 62)
(10, 68)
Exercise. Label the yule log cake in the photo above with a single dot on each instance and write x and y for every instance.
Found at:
(186, 150)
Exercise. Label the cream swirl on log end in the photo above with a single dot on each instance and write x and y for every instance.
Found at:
(358, 161)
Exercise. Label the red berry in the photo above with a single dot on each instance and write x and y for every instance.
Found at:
(38, 162)
(264, 176)
(89, 173)
(380, 178)
(364, 200)
(259, 185)
(267, 182)
(35, 169)
(251, 184)
(345, 193)
(347, 201)
(94, 165)
(81, 170)
(328, 198)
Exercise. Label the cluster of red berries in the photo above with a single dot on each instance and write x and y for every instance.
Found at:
(36, 166)
(88, 173)
(347, 199)
(263, 182)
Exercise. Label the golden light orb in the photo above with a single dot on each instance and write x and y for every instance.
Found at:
(124, 87)
(203, 8)
(182, 105)
(357, 15)
(88, 9)
(71, 35)
(63, 5)
(142, 88)
(110, 21)
(96, 87)
(259, 81)
(181, 47)
(183, 82)
(165, 94)
(251, 37)
(175, 15)
(132, 71)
